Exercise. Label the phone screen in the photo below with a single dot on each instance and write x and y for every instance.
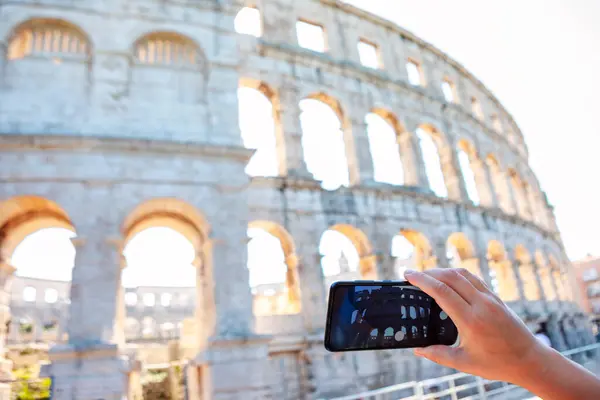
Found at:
(384, 315)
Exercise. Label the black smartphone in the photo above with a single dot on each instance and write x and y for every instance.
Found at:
(371, 315)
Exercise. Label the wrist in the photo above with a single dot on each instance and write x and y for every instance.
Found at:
(535, 366)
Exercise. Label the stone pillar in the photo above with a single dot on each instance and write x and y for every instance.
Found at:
(553, 326)
(6, 275)
(330, 374)
(545, 277)
(314, 293)
(484, 266)
(515, 208)
(439, 252)
(363, 151)
(293, 283)
(515, 267)
(387, 267)
(529, 281)
(420, 173)
(552, 226)
(558, 284)
(289, 117)
(487, 194)
(571, 336)
(232, 360)
(533, 206)
(455, 181)
(89, 365)
(412, 160)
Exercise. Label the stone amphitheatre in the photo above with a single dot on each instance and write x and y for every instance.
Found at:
(117, 117)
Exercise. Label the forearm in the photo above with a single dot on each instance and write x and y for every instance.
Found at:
(554, 377)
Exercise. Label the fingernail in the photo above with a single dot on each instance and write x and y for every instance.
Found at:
(410, 272)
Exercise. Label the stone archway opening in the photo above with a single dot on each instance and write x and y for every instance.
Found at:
(346, 254)
(472, 172)
(411, 250)
(326, 142)
(260, 128)
(460, 253)
(504, 282)
(384, 130)
(35, 241)
(159, 281)
(545, 272)
(165, 279)
(272, 263)
(500, 185)
(558, 278)
(527, 272)
(435, 159)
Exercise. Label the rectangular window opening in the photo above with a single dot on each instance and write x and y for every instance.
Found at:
(369, 54)
(449, 91)
(310, 36)
(496, 123)
(415, 76)
(248, 22)
(476, 108)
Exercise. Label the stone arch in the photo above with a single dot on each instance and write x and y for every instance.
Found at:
(389, 153)
(474, 173)
(22, 215)
(543, 267)
(537, 204)
(461, 253)
(420, 257)
(504, 282)
(176, 213)
(189, 222)
(519, 193)
(48, 37)
(292, 295)
(441, 173)
(278, 147)
(346, 166)
(500, 185)
(558, 276)
(169, 49)
(527, 272)
(366, 260)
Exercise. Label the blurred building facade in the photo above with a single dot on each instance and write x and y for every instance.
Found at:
(120, 116)
(588, 286)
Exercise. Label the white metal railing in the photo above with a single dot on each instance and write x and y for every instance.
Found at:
(468, 387)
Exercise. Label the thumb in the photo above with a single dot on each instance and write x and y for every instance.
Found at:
(447, 356)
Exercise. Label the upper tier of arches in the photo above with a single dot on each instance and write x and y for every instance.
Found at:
(452, 164)
(347, 32)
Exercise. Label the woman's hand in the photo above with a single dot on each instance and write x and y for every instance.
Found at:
(494, 342)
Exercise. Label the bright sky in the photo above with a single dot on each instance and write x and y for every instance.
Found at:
(541, 59)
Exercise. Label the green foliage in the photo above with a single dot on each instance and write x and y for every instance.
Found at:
(28, 386)
(155, 385)
(26, 328)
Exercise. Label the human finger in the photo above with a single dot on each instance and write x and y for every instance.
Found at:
(450, 301)
(476, 281)
(452, 357)
(454, 279)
